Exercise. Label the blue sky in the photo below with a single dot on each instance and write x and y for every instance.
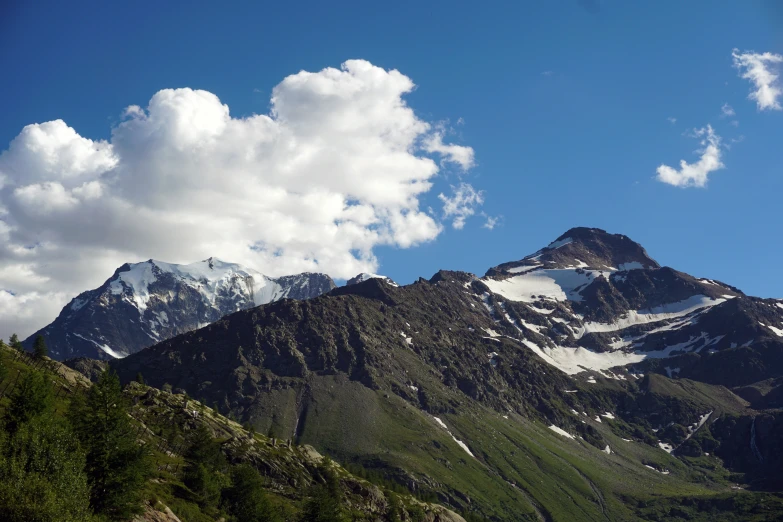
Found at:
(566, 107)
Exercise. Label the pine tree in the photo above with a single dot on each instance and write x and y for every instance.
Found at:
(325, 503)
(117, 467)
(246, 499)
(139, 378)
(39, 347)
(15, 342)
(3, 367)
(204, 466)
(394, 509)
(31, 398)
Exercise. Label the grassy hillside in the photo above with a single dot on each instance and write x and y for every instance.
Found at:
(165, 424)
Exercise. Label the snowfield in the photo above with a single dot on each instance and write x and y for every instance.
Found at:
(557, 284)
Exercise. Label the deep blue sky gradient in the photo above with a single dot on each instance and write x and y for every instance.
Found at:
(577, 147)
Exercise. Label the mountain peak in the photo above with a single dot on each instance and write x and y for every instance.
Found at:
(584, 247)
(150, 301)
(364, 276)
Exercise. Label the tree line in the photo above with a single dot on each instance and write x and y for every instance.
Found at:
(87, 465)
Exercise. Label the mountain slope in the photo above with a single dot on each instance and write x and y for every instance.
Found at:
(144, 303)
(165, 423)
(544, 380)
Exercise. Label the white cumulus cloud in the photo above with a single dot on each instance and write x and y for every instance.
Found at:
(695, 174)
(339, 166)
(759, 68)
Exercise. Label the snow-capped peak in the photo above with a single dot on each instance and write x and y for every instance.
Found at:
(147, 302)
(581, 248)
(209, 277)
(366, 276)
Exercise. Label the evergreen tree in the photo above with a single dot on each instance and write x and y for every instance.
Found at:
(246, 500)
(39, 347)
(325, 503)
(15, 342)
(205, 464)
(3, 367)
(139, 378)
(117, 467)
(42, 475)
(394, 510)
(31, 398)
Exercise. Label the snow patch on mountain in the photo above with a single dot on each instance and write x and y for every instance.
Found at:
(653, 315)
(365, 276)
(573, 360)
(522, 269)
(459, 442)
(560, 431)
(557, 284)
(104, 347)
(557, 244)
(776, 331)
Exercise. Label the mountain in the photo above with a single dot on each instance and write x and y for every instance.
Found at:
(621, 308)
(145, 303)
(582, 382)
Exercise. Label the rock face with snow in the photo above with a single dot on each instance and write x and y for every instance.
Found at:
(145, 303)
(366, 277)
(593, 301)
(589, 343)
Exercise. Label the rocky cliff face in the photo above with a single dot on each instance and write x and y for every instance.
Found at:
(145, 303)
(620, 308)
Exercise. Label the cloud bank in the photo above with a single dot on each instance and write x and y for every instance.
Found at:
(338, 167)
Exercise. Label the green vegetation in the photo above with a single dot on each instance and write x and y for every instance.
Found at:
(98, 453)
(39, 347)
(42, 475)
(30, 399)
(15, 342)
(325, 504)
(117, 466)
(246, 500)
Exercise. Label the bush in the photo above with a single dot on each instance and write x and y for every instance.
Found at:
(42, 475)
